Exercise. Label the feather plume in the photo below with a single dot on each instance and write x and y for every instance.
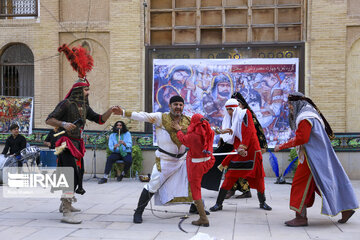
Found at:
(84, 60)
(291, 167)
(79, 59)
(274, 163)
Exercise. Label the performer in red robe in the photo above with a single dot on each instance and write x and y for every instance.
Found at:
(319, 169)
(248, 163)
(199, 139)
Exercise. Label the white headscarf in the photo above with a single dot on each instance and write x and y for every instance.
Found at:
(233, 122)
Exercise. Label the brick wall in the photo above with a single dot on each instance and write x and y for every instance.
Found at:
(325, 59)
(332, 29)
(115, 32)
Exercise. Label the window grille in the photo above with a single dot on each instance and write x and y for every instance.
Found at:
(18, 8)
(17, 71)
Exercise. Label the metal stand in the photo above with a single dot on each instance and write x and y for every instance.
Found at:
(94, 161)
(94, 156)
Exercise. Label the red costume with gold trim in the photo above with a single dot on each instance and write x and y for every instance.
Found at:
(303, 186)
(249, 167)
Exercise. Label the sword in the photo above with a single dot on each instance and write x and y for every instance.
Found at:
(79, 123)
(181, 221)
(225, 153)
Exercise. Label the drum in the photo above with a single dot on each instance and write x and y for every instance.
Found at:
(30, 152)
(5, 161)
(2, 160)
(48, 158)
(2, 163)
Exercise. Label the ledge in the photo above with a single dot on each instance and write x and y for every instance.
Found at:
(343, 142)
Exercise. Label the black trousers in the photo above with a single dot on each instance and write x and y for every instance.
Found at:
(115, 157)
(66, 159)
(211, 180)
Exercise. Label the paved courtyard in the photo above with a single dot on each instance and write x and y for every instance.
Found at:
(107, 214)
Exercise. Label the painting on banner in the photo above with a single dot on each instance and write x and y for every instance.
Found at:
(17, 110)
(206, 84)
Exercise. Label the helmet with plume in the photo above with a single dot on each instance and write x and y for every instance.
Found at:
(81, 61)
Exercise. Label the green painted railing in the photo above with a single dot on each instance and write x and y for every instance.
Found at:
(99, 139)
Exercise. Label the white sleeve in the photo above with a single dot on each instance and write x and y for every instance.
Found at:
(154, 118)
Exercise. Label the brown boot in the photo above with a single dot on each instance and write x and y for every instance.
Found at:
(203, 220)
(298, 221)
(68, 217)
(346, 215)
(229, 194)
(72, 209)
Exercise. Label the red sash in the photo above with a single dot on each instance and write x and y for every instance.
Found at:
(78, 154)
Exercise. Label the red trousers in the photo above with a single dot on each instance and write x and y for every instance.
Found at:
(195, 173)
(303, 188)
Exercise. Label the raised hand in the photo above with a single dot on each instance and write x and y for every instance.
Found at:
(117, 110)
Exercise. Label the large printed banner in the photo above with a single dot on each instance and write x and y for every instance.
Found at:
(206, 84)
(17, 110)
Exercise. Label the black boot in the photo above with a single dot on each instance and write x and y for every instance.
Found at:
(219, 201)
(143, 202)
(80, 189)
(262, 199)
(230, 193)
(245, 195)
(194, 210)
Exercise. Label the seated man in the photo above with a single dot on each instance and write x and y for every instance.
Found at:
(15, 143)
(120, 145)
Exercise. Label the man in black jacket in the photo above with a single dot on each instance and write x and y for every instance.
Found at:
(16, 142)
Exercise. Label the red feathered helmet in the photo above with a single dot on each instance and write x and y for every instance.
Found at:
(81, 62)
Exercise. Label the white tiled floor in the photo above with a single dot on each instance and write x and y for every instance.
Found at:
(107, 211)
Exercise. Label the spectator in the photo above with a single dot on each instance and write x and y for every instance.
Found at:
(120, 145)
(16, 142)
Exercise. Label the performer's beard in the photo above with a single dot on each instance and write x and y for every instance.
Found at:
(77, 95)
(86, 99)
(292, 121)
(175, 114)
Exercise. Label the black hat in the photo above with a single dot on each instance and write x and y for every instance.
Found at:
(176, 98)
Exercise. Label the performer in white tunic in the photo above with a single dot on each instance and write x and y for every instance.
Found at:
(169, 177)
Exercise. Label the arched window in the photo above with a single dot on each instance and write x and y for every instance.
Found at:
(17, 71)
